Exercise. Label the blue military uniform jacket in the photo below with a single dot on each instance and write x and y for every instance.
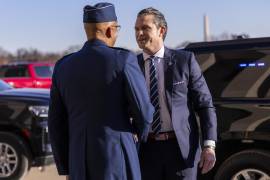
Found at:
(94, 92)
(187, 93)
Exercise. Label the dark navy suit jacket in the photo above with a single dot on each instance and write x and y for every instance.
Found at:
(187, 93)
(93, 94)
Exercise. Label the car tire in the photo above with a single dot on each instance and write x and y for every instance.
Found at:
(249, 164)
(14, 162)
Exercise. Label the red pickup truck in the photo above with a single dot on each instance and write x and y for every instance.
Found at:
(27, 75)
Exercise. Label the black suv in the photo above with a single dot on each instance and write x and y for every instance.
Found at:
(23, 130)
(238, 75)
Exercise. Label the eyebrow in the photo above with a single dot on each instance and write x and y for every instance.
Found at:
(144, 26)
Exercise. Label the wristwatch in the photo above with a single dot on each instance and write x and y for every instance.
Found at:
(211, 147)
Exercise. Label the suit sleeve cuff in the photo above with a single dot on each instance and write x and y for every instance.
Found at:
(209, 143)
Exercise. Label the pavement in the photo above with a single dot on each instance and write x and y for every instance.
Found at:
(48, 173)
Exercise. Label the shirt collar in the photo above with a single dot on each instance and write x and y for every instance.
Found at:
(159, 54)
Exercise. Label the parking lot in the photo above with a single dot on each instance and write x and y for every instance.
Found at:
(49, 172)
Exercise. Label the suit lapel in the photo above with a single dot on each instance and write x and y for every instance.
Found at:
(141, 63)
(169, 63)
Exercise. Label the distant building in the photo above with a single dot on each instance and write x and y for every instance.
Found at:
(207, 36)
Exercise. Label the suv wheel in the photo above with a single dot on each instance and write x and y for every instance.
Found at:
(245, 165)
(14, 164)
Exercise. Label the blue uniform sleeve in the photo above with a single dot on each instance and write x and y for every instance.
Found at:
(58, 128)
(202, 101)
(139, 101)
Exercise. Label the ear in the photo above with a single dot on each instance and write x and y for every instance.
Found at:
(162, 31)
(108, 32)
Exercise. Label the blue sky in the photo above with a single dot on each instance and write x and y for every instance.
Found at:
(54, 25)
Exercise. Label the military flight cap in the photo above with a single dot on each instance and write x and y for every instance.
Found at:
(101, 12)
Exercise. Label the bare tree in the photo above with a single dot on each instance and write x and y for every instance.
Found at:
(72, 49)
(183, 44)
(229, 36)
(4, 56)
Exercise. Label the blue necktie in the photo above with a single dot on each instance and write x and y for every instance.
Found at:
(156, 124)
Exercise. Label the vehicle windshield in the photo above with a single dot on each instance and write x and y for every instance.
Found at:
(4, 86)
(45, 71)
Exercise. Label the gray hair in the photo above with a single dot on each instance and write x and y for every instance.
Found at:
(159, 19)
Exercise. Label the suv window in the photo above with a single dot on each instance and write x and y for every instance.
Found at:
(14, 71)
(237, 73)
(44, 71)
(3, 69)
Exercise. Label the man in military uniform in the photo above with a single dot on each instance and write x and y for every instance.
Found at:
(94, 92)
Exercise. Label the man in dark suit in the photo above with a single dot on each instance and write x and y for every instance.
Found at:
(177, 90)
(94, 92)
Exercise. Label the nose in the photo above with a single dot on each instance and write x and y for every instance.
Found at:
(139, 32)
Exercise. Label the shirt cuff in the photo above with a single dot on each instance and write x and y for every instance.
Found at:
(209, 143)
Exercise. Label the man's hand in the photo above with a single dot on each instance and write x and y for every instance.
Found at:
(208, 159)
(67, 177)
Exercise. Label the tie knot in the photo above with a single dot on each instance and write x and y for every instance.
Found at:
(151, 58)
